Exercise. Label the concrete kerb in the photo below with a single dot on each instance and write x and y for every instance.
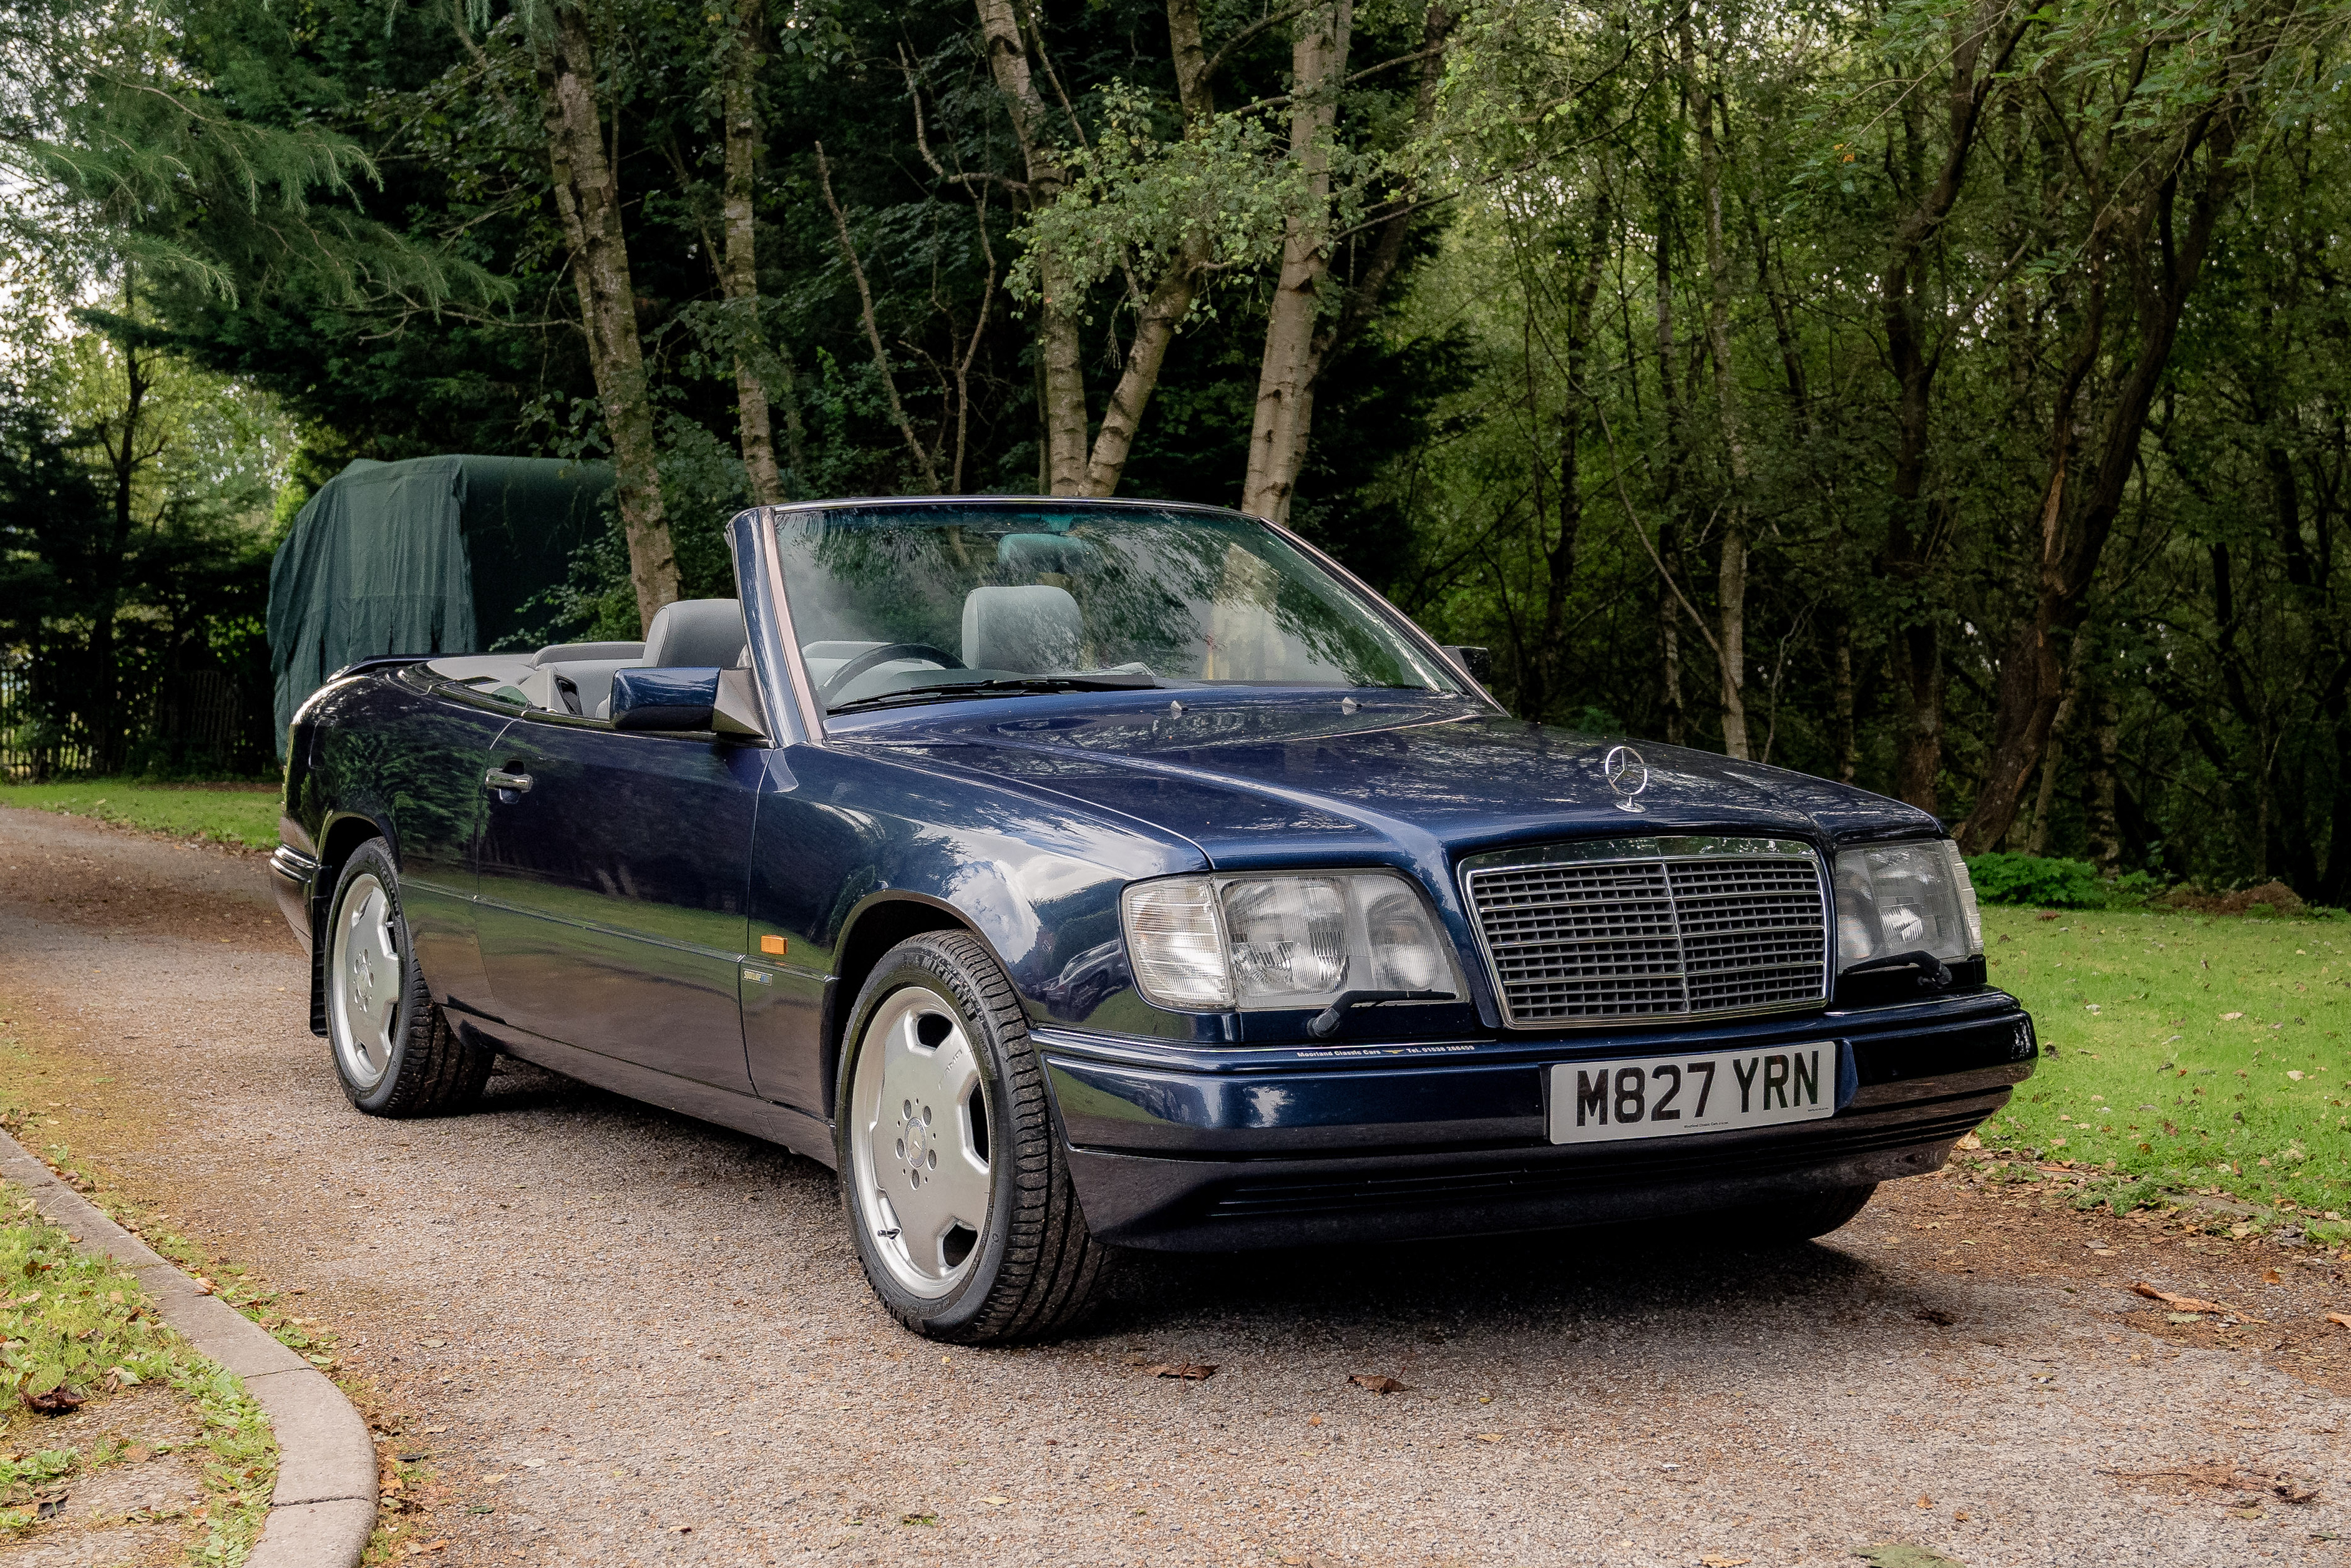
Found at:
(323, 1508)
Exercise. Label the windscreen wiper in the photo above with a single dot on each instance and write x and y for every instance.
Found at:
(1005, 686)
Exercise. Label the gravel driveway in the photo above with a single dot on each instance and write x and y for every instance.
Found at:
(622, 1336)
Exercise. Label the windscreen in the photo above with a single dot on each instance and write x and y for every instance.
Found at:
(909, 604)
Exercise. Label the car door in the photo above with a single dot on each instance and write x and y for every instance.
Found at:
(612, 870)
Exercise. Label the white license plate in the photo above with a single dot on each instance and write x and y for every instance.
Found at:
(1713, 1092)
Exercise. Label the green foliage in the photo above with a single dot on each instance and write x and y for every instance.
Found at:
(1135, 200)
(2045, 881)
(2185, 1054)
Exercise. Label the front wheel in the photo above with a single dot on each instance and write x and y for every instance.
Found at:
(394, 1052)
(954, 1178)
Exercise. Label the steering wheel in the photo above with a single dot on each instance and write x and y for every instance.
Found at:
(873, 657)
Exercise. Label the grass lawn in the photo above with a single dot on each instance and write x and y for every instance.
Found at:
(244, 814)
(80, 1331)
(2201, 1053)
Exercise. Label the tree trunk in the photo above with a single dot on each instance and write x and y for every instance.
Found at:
(2054, 753)
(738, 275)
(1669, 640)
(104, 713)
(1059, 353)
(1318, 63)
(2105, 830)
(2164, 259)
(587, 200)
(1908, 555)
(1841, 698)
(1731, 575)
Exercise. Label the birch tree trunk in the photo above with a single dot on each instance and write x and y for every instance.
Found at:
(587, 200)
(738, 275)
(1318, 63)
(1059, 354)
(1730, 577)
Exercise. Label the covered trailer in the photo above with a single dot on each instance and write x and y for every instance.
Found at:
(432, 554)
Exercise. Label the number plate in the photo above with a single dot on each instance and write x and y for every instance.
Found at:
(1662, 1096)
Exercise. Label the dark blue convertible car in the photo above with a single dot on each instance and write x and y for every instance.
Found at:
(1072, 876)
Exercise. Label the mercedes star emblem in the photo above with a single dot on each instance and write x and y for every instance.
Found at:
(1627, 775)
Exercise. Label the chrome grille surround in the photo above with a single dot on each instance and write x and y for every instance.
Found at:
(1610, 931)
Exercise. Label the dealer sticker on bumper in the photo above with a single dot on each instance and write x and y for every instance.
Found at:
(1661, 1096)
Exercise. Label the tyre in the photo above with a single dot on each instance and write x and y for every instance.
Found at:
(1790, 1221)
(952, 1173)
(393, 1051)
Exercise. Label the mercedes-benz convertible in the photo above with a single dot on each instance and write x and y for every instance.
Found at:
(1074, 876)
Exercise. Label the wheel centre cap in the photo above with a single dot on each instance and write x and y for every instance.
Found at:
(918, 1139)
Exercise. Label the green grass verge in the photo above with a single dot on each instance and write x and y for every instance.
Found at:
(75, 1323)
(245, 814)
(2188, 1054)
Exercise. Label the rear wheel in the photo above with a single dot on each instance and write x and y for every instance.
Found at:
(954, 1178)
(393, 1051)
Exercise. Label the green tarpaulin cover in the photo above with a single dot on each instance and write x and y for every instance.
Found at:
(434, 555)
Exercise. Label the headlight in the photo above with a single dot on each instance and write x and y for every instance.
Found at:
(1904, 898)
(1257, 942)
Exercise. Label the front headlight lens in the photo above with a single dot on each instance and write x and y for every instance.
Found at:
(1904, 898)
(1263, 942)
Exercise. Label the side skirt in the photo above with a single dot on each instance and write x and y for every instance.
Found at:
(796, 1130)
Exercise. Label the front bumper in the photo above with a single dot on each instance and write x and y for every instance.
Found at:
(1198, 1151)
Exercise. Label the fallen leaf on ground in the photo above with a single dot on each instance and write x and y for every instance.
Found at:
(429, 1431)
(53, 1401)
(1489, 1437)
(493, 1478)
(681, 1530)
(2271, 1277)
(2177, 1304)
(994, 1501)
(2342, 1319)
(1970, 1141)
(1716, 1560)
(419, 1548)
(1379, 1384)
(1192, 1371)
(1902, 1554)
(205, 1286)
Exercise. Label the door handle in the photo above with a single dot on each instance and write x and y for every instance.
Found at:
(497, 780)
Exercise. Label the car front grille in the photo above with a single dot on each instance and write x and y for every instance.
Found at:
(1640, 928)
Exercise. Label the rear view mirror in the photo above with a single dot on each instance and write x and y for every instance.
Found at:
(685, 697)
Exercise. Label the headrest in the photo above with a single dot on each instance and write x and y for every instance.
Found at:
(705, 633)
(1035, 630)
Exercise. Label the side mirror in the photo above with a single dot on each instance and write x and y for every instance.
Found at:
(664, 699)
(1478, 662)
(686, 697)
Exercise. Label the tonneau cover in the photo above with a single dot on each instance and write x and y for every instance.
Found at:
(432, 554)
